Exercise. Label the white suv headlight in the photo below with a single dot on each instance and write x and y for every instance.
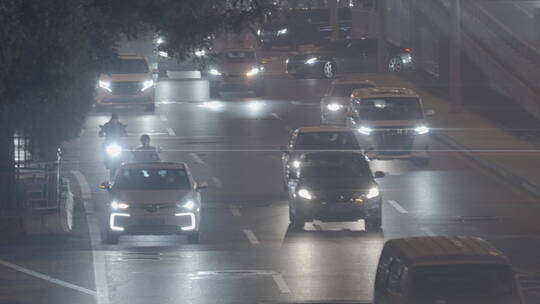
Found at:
(105, 85)
(303, 193)
(421, 130)
(189, 205)
(372, 193)
(118, 205)
(334, 107)
(214, 72)
(311, 60)
(365, 130)
(254, 71)
(147, 85)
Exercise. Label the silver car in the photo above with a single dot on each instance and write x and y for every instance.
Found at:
(154, 198)
(335, 100)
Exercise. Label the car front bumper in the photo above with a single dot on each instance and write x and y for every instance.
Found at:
(132, 223)
(338, 212)
(237, 83)
(105, 97)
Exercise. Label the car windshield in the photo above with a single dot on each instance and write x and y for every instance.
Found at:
(482, 283)
(326, 141)
(129, 66)
(390, 108)
(236, 57)
(336, 166)
(152, 179)
(345, 90)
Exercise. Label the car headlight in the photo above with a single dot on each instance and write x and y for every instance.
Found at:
(147, 85)
(365, 130)
(303, 193)
(253, 72)
(287, 61)
(118, 205)
(214, 72)
(113, 150)
(311, 60)
(296, 164)
(372, 193)
(105, 85)
(282, 31)
(421, 130)
(189, 205)
(334, 107)
(160, 40)
(200, 53)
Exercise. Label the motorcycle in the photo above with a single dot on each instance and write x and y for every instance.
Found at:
(113, 151)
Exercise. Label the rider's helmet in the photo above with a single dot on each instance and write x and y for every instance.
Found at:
(145, 140)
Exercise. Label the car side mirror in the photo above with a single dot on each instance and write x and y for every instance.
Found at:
(201, 185)
(430, 112)
(379, 174)
(105, 186)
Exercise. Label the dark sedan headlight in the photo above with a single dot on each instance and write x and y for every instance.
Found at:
(187, 205)
(333, 106)
(214, 72)
(372, 193)
(311, 60)
(305, 194)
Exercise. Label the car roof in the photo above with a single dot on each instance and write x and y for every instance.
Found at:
(332, 153)
(236, 50)
(353, 81)
(154, 165)
(383, 92)
(318, 129)
(131, 56)
(443, 250)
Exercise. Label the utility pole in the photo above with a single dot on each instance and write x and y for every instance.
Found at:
(381, 34)
(334, 19)
(455, 55)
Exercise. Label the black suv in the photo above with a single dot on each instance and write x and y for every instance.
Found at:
(334, 187)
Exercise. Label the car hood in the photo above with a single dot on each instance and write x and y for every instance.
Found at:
(339, 100)
(144, 197)
(236, 68)
(125, 77)
(393, 123)
(318, 185)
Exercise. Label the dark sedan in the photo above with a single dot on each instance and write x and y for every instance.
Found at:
(334, 186)
(346, 56)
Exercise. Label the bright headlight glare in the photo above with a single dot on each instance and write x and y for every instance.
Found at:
(372, 193)
(200, 53)
(189, 205)
(334, 107)
(303, 193)
(118, 205)
(214, 72)
(252, 72)
(105, 85)
(113, 150)
(421, 130)
(296, 164)
(282, 31)
(365, 130)
(147, 85)
(311, 60)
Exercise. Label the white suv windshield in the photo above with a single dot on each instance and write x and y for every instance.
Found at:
(390, 108)
(152, 179)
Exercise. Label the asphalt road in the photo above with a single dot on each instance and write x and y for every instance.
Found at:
(247, 252)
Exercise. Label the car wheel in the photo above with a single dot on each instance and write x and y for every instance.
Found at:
(150, 108)
(329, 70)
(421, 162)
(373, 223)
(193, 237)
(112, 237)
(395, 65)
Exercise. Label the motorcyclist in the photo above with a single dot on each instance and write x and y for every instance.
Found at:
(113, 128)
(145, 152)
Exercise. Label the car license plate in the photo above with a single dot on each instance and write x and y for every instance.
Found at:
(339, 208)
(153, 221)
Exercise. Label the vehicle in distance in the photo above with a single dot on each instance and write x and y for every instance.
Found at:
(128, 82)
(465, 270)
(153, 198)
(334, 186)
(390, 123)
(346, 56)
(309, 139)
(236, 70)
(336, 99)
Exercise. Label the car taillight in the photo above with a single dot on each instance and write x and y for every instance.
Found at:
(408, 50)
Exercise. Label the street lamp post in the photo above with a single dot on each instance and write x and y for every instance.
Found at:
(381, 33)
(455, 55)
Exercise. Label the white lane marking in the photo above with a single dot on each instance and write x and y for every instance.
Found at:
(98, 257)
(171, 132)
(197, 158)
(251, 237)
(397, 206)
(47, 278)
(428, 231)
(217, 182)
(86, 194)
(163, 118)
(281, 284)
(276, 116)
(235, 211)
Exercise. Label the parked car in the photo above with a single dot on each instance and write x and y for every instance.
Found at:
(391, 124)
(336, 99)
(345, 56)
(334, 186)
(153, 198)
(464, 270)
(128, 82)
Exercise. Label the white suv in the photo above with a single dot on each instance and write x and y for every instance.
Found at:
(390, 123)
(128, 82)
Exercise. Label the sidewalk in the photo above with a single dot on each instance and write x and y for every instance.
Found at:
(493, 148)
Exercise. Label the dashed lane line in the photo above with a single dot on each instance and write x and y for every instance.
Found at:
(251, 237)
(171, 132)
(428, 231)
(276, 116)
(281, 284)
(197, 158)
(397, 206)
(236, 212)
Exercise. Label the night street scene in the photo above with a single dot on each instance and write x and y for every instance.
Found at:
(269, 151)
